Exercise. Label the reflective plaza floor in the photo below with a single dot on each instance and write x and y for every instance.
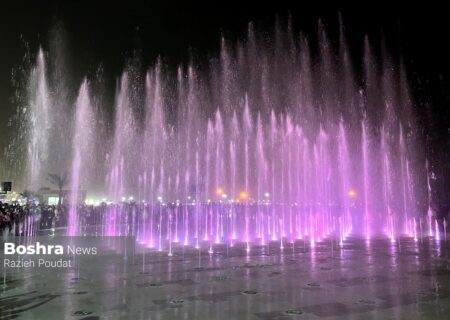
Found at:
(360, 280)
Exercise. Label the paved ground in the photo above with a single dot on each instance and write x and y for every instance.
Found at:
(376, 280)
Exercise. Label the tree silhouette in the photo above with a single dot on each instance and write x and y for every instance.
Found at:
(60, 181)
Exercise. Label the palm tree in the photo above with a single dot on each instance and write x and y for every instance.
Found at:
(60, 181)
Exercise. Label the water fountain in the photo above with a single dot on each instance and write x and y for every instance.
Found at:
(274, 141)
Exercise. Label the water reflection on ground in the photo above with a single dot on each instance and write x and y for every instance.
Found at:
(361, 280)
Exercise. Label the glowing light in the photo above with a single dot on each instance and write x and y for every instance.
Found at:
(352, 193)
(159, 198)
(438, 237)
(267, 194)
(243, 195)
(224, 196)
(219, 191)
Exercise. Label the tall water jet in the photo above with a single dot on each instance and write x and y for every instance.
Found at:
(366, 177)
(247, 124)
(82, 148)
(39, 122)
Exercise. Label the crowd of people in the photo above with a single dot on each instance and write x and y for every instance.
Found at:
(14, 217)
(18, 219)
(21, 219)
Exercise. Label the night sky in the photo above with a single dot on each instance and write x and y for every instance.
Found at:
(107, 34)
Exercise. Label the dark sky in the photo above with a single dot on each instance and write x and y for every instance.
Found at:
(102, 32)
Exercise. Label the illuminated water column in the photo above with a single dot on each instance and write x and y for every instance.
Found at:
(261, 182)
(429, 211)
(322, 154)
(290, 176)
(247, 120)
(193, 149)
(387, 184)
(39, 123)
(84, 121)
(208, 210)
(219, 172)
(405, 184)
(344, 165)
(366, 170)
(299, 179)
(234, 137)
(122, 135)
(274, 175)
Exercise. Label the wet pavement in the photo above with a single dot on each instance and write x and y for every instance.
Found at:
(360, 280)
